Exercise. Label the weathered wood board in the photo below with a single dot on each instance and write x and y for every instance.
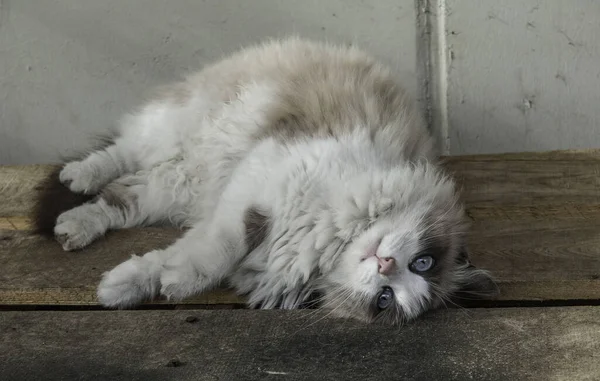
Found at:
(542, 344)
(36, 271)
(535, 217)
(536, 226)
(18, 186)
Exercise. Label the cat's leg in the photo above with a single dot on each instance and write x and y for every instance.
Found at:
(205, 255)
(98, 168)
(196, 262)
(146, 139)
(132, 200)
(209, 252)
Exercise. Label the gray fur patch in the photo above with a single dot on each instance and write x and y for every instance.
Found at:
(117, 196)
(257, 228)
(332, 98)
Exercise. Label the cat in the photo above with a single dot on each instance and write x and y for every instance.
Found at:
(297, 168)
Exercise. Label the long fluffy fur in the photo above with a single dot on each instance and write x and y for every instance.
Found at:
(290, 162)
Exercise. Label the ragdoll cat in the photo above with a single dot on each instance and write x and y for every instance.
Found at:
(300, 168)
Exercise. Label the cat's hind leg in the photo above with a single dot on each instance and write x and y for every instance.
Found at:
(98, 168)
(143, 198)
(146, 138)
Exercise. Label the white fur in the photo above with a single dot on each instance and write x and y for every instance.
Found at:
(198, 163)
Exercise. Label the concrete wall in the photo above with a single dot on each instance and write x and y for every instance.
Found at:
(492, 75)
(522, 75)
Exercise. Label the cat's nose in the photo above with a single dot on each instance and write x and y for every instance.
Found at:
(386, 265)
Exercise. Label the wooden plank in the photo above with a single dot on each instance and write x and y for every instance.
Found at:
(549, 344)
(35, 271)
(18, 187)
(536, 226)
(559, 250)
(529, 179)
(15, 223)
(535, 221)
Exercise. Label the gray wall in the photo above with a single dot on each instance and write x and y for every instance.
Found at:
(492, 75)
(523, 75)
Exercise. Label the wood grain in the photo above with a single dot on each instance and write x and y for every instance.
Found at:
(18, 187)
(15, 223)
(535, 221)
(535, 226)
(550, 344)
(529, 180)
(35, 270)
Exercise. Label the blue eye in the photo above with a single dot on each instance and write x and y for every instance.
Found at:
(422, 264)
(385, 298)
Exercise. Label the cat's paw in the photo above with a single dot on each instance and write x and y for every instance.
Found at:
(77, 228)
(128, 284)
(178, 283)
(81, 177)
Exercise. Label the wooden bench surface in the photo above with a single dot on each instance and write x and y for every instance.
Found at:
(536, 227)
(516, 344)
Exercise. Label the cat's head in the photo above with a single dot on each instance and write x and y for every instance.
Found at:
(407, 251)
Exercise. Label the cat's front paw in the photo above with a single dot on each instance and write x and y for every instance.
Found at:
(128, 284)
(77, 228)
(178, 283)
(80, 177)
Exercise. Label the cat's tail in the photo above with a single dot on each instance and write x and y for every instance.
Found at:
(52, 198)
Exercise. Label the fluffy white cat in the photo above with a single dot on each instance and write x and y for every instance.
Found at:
(299, 167)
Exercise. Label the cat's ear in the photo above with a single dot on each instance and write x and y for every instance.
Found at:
(474, 283)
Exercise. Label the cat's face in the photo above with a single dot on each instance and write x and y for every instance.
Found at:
(410, 258)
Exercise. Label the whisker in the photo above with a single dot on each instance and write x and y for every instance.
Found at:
(349, 294)
(427, 238)
(440, 294)
(337, 297)
(440, 218)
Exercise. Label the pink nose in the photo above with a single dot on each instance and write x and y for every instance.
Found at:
(386, 265)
